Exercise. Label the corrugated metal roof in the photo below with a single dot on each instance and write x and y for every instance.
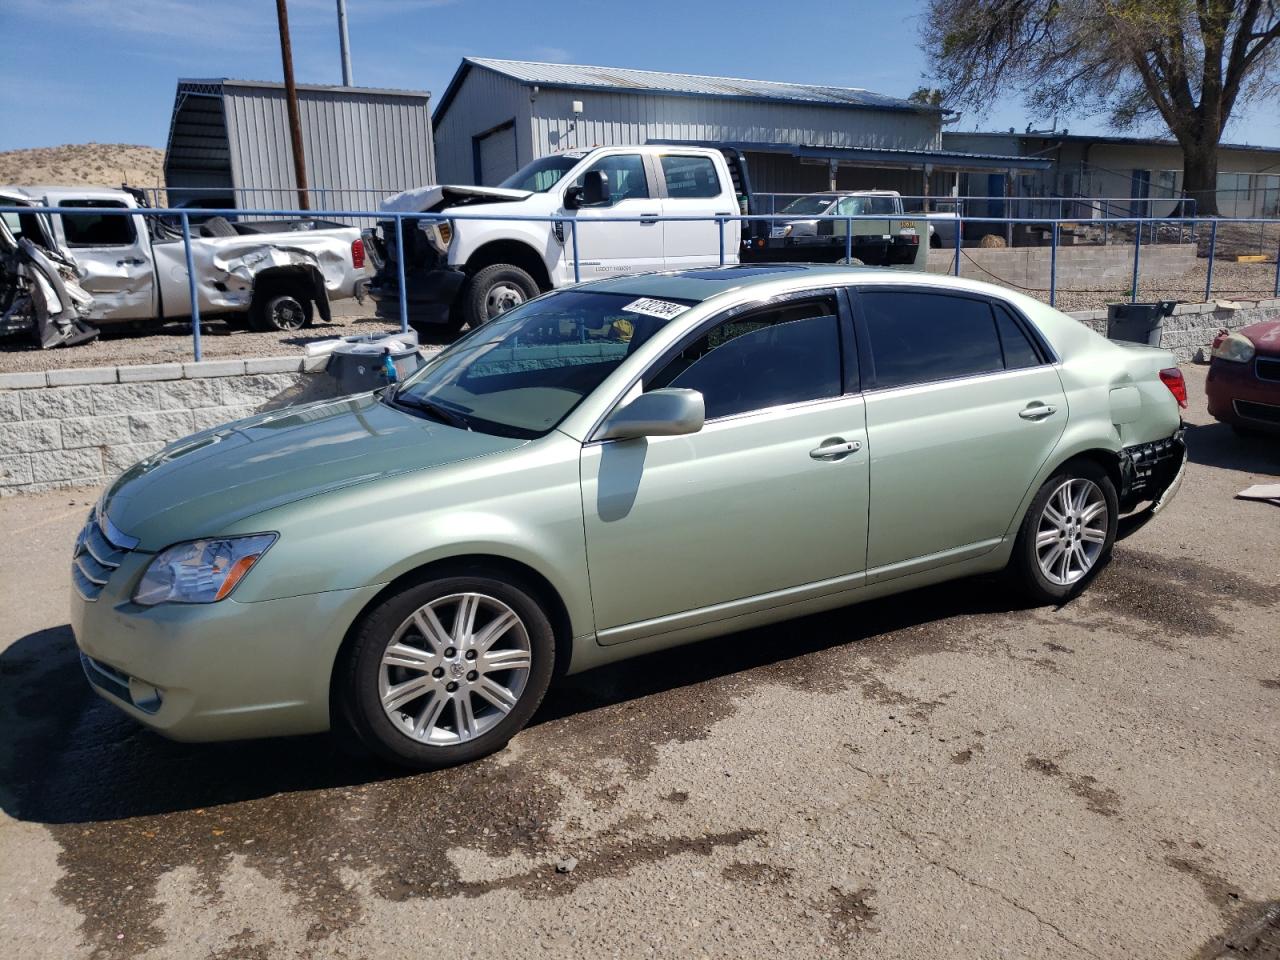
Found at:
(214, 86)
(627, 80)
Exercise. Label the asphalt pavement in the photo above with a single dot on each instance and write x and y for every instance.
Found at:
(941, 774)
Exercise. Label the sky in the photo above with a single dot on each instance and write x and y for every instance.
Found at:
(109, 67)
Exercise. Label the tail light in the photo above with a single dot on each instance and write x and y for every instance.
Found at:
(1172, 378)
(357, 253)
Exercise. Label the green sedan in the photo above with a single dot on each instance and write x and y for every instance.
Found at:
(605, 471)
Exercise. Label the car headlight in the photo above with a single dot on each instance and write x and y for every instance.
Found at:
(200, 571)
(1234, 347)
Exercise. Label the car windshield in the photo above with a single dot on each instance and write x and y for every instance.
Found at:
(523, 372)
(543, 174)
(809, 206)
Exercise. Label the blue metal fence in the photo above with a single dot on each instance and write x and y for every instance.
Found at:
(1053, 226)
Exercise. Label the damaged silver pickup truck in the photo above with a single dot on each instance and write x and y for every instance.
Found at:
(62, 276)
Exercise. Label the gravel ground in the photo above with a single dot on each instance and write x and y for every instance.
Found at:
(944, 774)
(1231, 281)
(173, 343)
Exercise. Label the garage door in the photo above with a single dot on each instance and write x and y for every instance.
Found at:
(497, 156)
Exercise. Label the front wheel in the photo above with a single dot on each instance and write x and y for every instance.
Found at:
(1067, 533)
(447, 671)
(495, 290)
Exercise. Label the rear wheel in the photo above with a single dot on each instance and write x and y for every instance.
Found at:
(280, 310)
(1067, 533)
(495, 290)
(447, 671)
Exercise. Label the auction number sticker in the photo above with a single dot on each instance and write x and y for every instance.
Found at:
(650, 307)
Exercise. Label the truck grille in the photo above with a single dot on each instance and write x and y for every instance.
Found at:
(97, 555)
(1268, 368)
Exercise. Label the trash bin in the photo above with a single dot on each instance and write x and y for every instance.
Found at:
(1138, 322)
(358, 363)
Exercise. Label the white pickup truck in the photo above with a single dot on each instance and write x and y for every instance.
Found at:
(270, 275)
(461, 271)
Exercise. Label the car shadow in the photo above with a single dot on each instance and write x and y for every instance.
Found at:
(69, 757)
(1217, 445)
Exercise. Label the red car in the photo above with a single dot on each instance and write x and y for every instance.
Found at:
(1244, 378)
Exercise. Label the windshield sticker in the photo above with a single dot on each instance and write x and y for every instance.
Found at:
(574, 154)
(650, 307)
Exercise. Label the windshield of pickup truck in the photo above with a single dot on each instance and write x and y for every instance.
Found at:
(543, 174)
(809, 206)
(523, 372)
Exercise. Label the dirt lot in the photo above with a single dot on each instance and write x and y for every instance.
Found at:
(940, 775)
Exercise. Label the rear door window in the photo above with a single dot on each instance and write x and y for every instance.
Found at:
(91, 229)
(1019, 352)
(783, 354)
(690, 178)
(918, 337)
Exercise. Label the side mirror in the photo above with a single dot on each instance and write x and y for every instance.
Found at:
(659, 413)
(595, 188)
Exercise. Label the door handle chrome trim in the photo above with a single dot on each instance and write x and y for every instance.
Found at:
(835, 451)
(1037, 411)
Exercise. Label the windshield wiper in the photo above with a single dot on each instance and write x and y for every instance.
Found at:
(430, 407)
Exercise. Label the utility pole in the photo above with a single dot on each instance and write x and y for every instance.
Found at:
(291, 100)
(344, 44)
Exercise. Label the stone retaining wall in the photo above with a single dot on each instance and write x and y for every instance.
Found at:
(1190, 331)
(64, 428)
(1095, 267)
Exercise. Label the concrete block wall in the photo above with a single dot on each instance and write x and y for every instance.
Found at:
(1085, 266)
(64, 428)
(1190, 331)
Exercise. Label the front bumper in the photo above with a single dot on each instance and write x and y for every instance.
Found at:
(1239, 395)
(217, 671)
(429, 293)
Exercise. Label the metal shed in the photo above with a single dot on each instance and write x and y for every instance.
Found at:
(497, 115)
(230, 139)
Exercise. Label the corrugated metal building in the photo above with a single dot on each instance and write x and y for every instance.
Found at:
(497, 115)
(360, 144)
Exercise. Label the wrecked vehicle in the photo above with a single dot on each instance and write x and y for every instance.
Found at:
(468, 271)
(812, 238)
(267, 275)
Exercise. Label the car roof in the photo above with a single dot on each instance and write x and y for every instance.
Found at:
(706, 282)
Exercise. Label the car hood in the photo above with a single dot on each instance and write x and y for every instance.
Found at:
(431, 199)
(1265, 337)
(199, 485)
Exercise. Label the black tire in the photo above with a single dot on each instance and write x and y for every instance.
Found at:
(280, 311)
(1025, 565)
(358, 682)
(935, 242)
(495, 281)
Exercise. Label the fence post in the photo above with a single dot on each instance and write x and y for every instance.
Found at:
(959, 239)
(1276, 291)
(1137, 254)
(1053, 265)
(573, 238)
(848, 239)
(404, 296)
(1213, 248)
(720, 230)
(191, 286)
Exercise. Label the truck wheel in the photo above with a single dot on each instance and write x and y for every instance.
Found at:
(495, 290)
(280, 311)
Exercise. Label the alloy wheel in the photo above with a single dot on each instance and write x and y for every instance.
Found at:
(1072, 531)
(454, 668)
(288, 314)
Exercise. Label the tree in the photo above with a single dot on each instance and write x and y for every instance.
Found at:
(1188, 63)
(928, 96)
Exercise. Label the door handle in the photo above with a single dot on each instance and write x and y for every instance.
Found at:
(130, 262)
(837, 448)
(648, 218)
(1037, 411)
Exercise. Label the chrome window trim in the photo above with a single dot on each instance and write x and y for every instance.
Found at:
(967, 378)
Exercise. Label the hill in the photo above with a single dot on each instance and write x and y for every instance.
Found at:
(87, 164)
